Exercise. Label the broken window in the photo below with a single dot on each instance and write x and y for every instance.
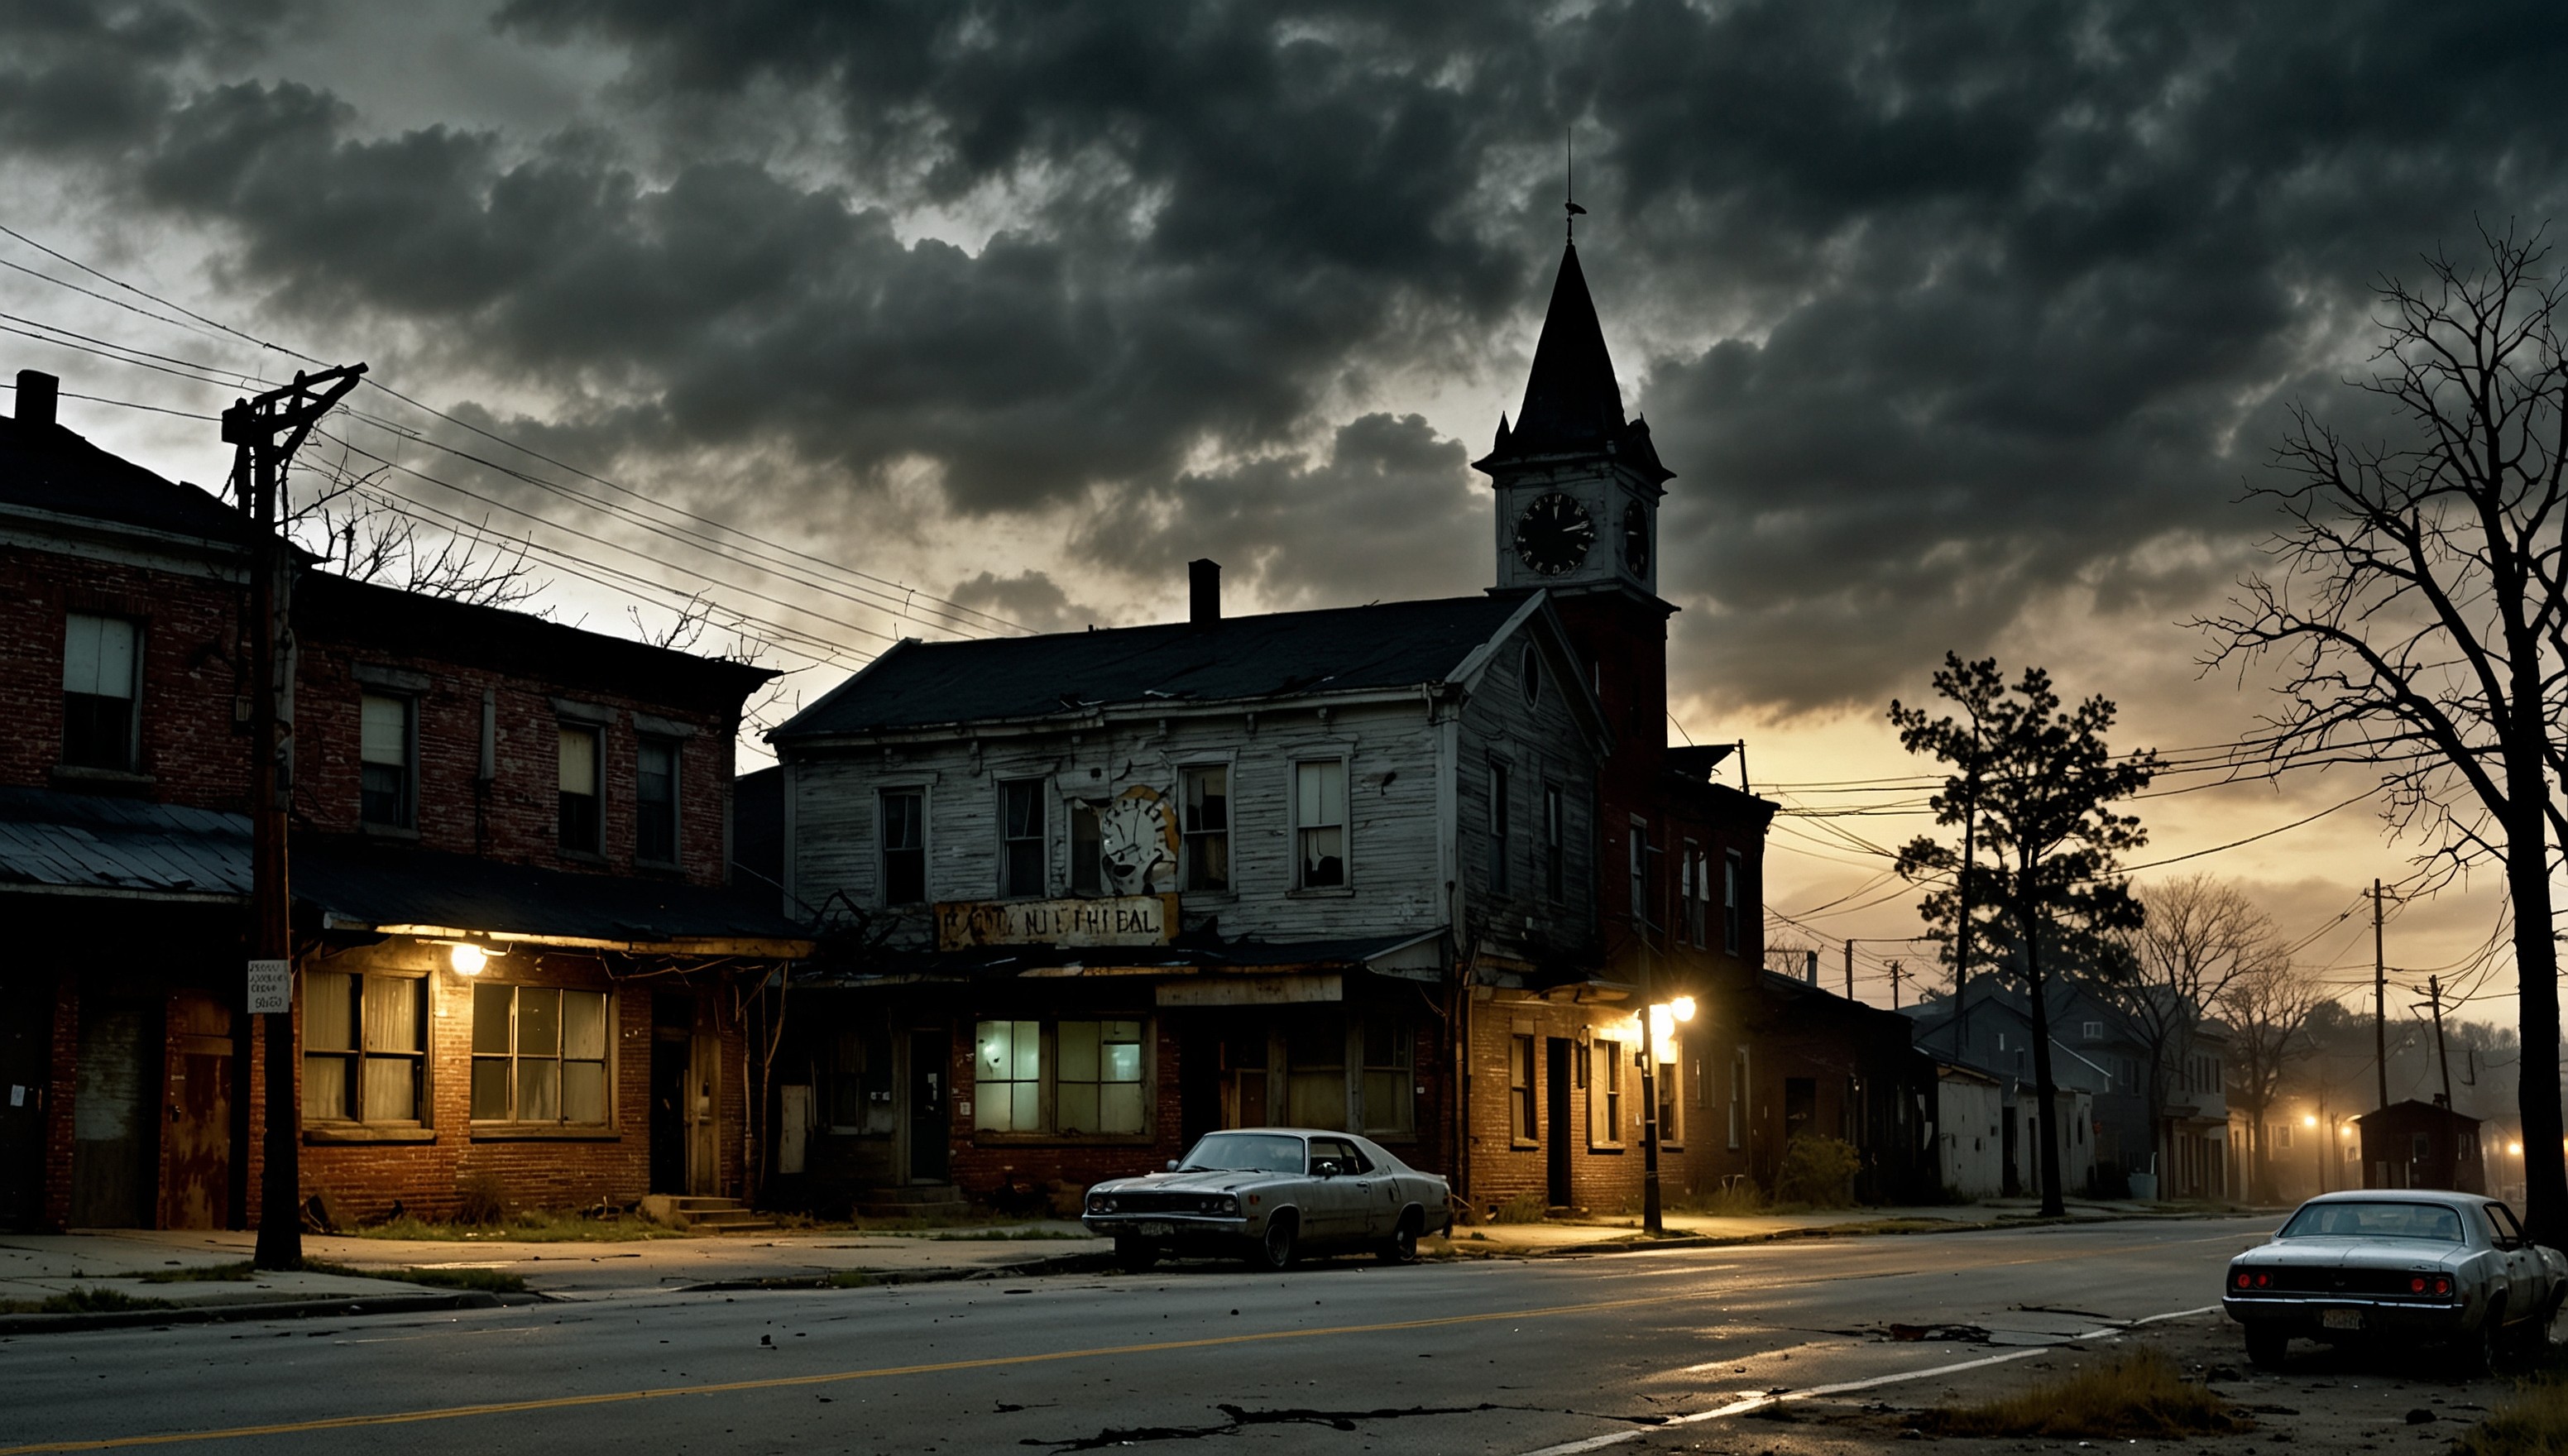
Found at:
(1205, 827)
(1320, 825)
(1087, 850)
(1022, 842)
(364, 1046)
(903, 819)
(539, 1054)
(99, 657)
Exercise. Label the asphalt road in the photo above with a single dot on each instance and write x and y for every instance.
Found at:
(1503, 1356)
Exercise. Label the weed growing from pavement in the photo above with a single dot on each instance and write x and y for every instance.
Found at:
(994, 1236)
(201, 1273)
(488, 1281)
(526, 1226)
(2531, 1423)
(2136, 1395)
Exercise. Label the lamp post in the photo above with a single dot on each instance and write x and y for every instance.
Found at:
(1657, 1023)
(2318, 1148)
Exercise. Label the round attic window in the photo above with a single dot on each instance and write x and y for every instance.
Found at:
(1532, 674)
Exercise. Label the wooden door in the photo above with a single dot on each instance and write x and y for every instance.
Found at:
(196, 1180)
(1556, 1055)
(114, 1115)
(704, 1113)
(929, 1124)
(26, 1073)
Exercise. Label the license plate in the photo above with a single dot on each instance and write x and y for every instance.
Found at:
(2340, 1319)
(1154, 1231)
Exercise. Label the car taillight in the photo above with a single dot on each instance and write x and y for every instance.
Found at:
(2240, 1278)
(2417, 1286)
(2443, 1286)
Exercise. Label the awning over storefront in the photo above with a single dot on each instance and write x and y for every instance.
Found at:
(1417, 957)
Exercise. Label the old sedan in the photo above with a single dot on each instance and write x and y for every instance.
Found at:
(2386, 1264)
(1270, 1193)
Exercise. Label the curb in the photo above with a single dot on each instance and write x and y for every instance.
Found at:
(1825, 1231)
(878, 1278)
(11, 1325)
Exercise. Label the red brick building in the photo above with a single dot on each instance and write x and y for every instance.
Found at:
(518, 964)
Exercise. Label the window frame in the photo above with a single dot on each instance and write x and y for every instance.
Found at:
(1524, 1123)
(1555, 831)
(1032, 792)
(408, 820)
(1733, 921)
(355, 1057)
(561, 1058)
(677, 812)
(1605, 1092)
(1500, 825)
(1670, 1086)
(1190, 835)
(1636, 845)
(1047, 1081)
(595, 732)
(1740, 1090)
(130, 755)
(1697, 892)
(884, 849)
(1345, 826)
(1363, 1069)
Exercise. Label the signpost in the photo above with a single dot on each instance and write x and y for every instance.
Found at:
(271, 987)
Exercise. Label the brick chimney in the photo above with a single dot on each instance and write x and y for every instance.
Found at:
(36, 392)
(1203, 591)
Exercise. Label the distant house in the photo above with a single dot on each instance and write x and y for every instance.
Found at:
(518, 962)
(2414, 1144)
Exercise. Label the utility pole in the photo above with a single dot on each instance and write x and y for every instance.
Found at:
(2379, 1016)
(1650, 1217)
(1962, 892)
(266, 431)
(2442, 1056)
(1896, 974)
(1849, 968)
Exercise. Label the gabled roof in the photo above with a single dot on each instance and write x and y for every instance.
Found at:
(1387, 645)
(46, 467)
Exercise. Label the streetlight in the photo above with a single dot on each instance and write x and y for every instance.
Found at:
(1657, 1023)
(2318, 1148)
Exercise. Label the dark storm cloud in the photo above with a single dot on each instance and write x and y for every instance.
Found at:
(1938, 310)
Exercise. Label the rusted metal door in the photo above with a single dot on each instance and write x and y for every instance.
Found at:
(197, 1188)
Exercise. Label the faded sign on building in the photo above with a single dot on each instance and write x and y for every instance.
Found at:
(1124, 919)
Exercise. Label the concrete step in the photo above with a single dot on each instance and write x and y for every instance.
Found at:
(916, 1201)
(704, 1215)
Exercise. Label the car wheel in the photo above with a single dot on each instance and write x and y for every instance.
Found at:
(2474, 1351)
(1402, 1247)
(1134, 1256)
(1276, 1249)
(2530, 1340)
(2265, 1345)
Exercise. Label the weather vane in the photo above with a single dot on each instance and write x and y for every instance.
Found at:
(1570, 186)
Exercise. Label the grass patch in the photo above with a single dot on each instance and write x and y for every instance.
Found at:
(2533, 1423)
(488, 1281)
(526, 1226)
(2137, 1395)
(1524, 1207)
(994, 1235)
(83, 1301)
(850, 1279)
(202, 1274)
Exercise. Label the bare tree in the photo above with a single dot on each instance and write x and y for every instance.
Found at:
(2199, 935)
(2420, 606)
(2268, 1005)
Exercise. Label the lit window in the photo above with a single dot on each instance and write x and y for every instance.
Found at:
(1670, 1130)
(1520, 1088)
(581, 824)
(364, 1046)
(99, 687)
(905, 847)
(385, 796)
(1605, 1093)
(539, 1054)
(1207, 829)
(1021, 843)
(655, 802)
(1070, 1078)
(1320, 825)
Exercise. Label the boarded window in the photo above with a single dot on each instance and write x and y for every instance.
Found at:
(98, 689)
(1390, 1078)
(1315, 1073)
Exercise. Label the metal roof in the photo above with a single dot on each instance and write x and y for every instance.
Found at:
(1276, 654)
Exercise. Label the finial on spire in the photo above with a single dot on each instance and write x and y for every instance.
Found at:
(1570, 186)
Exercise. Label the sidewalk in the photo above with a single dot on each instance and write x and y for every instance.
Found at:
(98, 1269)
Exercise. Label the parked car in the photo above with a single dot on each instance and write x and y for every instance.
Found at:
(2397, 1266)
(1268, 1194)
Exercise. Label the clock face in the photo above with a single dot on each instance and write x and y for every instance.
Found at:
(1636, 544)
(1555, 534)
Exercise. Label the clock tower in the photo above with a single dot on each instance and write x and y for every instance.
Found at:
(1578, 489)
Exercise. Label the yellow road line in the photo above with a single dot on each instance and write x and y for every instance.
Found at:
(780, 1383)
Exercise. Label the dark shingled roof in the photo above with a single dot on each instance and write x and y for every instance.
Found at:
(49, 467)
(1345, 649)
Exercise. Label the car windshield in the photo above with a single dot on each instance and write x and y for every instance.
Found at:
(2382, 1220)
(1246, 1152)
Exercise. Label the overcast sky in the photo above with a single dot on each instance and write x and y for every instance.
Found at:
(1964, 325)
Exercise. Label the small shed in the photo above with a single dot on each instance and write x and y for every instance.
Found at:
(2414, 1144)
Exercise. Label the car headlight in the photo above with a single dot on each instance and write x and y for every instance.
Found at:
(1227, 1203)
(1101, 1205)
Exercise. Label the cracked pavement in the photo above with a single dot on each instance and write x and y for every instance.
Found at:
(1497, 1357)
